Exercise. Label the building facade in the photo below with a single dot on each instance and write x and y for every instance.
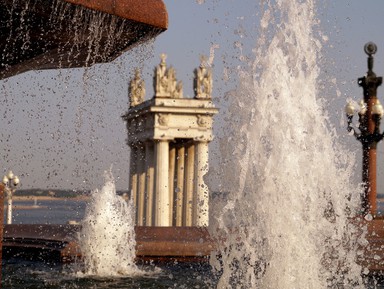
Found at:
(168, 136)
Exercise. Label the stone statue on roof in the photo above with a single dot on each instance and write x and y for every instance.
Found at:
(165, 82)
(136, 89)
(203, 80)
(178, 93)
(161, 77)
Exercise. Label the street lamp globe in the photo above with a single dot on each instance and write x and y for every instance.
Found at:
(349, 109)
(16, 180)
(5, 180)
(370, 48)
(363, 107)
(10, 175)
(378, 109)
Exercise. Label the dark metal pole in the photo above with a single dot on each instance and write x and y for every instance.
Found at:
(370, 114)
(369, 127)
(2, 192)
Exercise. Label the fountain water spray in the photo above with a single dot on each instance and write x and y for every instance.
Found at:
(286, 219)
(107, 238)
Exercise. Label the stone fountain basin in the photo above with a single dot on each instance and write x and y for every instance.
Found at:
(58, 243)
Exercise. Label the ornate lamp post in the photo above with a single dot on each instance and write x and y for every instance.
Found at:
(370, 114)
(10, 181)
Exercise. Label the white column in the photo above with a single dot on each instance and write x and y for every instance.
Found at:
(171, 176)
(162, 183)
(141, 185)
(149, 163)
(188, 186)
(133, 177)
(9, 205)
(201, 213)
(179, 186)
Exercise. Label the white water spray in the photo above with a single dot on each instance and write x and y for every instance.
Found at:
(107, 238)
(286, 218)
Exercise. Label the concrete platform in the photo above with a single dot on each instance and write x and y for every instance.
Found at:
(373, 253)
(39, 242)
(58, 243)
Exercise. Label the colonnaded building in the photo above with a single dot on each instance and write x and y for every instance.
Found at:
(168, 136)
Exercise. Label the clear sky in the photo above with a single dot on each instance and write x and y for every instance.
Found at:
(63, 128)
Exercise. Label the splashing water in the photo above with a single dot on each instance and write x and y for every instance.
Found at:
(286, 219)
(107, 236)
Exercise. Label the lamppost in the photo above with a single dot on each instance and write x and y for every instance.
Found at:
(10, 181)
(370, 114)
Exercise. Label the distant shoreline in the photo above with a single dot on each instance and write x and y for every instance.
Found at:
(40, 198)
(30, 207)
(48, 198)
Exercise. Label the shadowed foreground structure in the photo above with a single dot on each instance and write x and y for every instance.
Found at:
(45, 34)
(59, 243)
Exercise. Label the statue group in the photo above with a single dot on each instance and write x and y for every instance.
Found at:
(167, 86)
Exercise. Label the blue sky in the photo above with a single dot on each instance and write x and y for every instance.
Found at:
(63, 128)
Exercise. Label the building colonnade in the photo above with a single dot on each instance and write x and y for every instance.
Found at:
(168, 136)
(166, 182)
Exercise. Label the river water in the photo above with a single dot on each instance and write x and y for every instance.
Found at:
(48, 211)
(62, 211)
